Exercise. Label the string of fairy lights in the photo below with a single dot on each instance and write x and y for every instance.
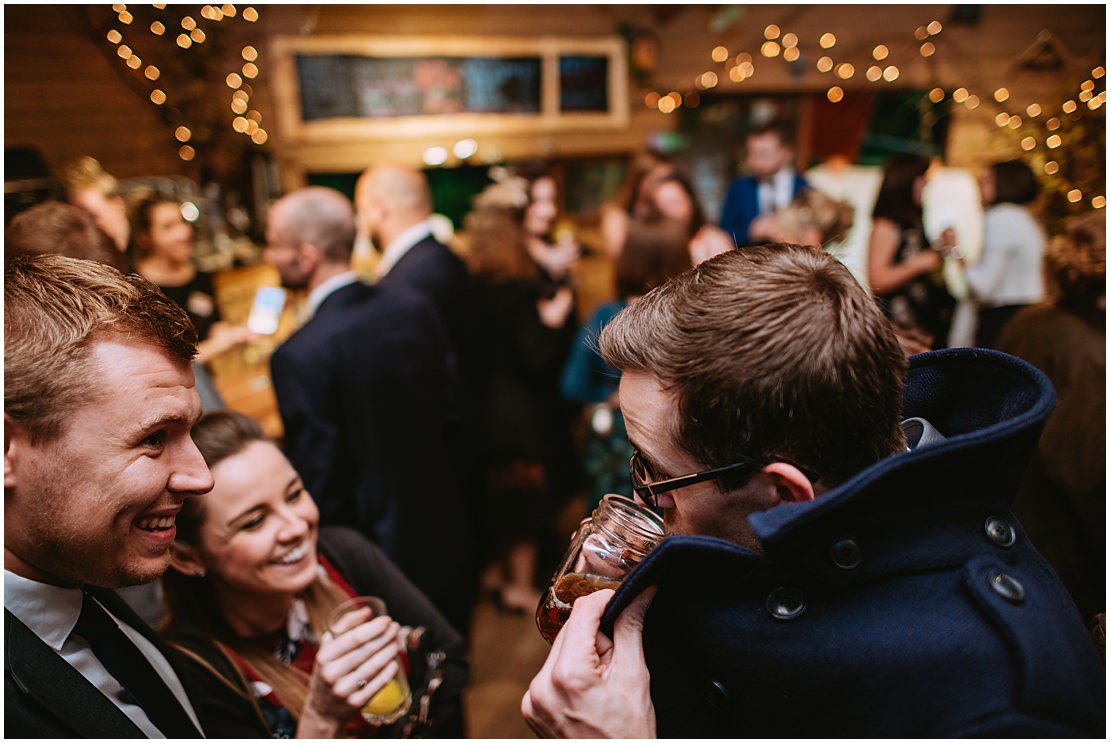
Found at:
(1039, 126)
(187, 33)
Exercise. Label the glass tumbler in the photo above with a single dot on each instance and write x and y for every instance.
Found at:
(391, 703)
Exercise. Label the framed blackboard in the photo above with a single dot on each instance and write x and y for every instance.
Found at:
(333, 88)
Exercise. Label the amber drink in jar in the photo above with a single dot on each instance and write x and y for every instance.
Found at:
(604, 549)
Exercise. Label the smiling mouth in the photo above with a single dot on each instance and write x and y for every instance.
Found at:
(156, 524)
(294, 555)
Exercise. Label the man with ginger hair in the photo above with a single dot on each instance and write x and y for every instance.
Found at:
(843, 560)
(98, 459)
(369, 401)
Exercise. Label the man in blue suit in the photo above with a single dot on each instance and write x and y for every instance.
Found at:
(368, 397)
(843, 562)
(769, 186)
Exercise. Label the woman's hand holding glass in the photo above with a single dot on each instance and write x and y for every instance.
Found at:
(359, 657)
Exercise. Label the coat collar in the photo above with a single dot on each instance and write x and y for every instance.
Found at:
(991, 408)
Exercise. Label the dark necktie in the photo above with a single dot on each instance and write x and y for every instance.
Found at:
(123, 659)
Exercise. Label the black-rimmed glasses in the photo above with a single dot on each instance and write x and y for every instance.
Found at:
(645, 485)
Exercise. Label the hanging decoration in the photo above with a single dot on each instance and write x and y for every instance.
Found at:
(179, 56)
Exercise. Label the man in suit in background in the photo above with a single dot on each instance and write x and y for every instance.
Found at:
(367, 394)
(98, 403)
(770, 185)
(394, 205)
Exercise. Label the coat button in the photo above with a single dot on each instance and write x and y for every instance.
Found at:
(846, 553)
(1007, 587)
(716, 695)
(1000, 532)
(786, 603)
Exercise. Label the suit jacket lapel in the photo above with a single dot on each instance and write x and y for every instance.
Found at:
(44, 676)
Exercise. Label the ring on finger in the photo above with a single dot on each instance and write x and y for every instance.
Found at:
(362, 683)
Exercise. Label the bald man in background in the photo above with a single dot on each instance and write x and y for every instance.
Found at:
(394, 204)
(369, 401)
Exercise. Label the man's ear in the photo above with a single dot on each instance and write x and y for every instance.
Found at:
(185, 559)
(15, 438)
(308, 257)
(789, 482)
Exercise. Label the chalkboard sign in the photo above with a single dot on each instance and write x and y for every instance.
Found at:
(362, 87)
(584, 83)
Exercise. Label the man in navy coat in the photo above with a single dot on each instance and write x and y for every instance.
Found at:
(844, 562)
(770, 185)
(368, 396)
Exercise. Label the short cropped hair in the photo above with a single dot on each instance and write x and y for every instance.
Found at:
(1014, 183)
(55, 308)
(773, 352)
(319, 216)
(62, 229)
(777, 128)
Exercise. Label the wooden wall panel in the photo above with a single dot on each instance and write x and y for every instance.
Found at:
(65, 96)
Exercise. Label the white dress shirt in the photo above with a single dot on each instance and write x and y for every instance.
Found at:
(776, 193)
(51, 612)
(401, 245)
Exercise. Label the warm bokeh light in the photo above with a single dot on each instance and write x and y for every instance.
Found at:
(1001, 95)
(125, 17)
(934, 28)
(124, 51)
(936, 95)
(959, 95)
(770, 49)
(1098, 202)
(250, 70)
(666, 104)
(874, 73)
(186, 153)
(1053, 141)
(1033, 110)
(1068, 107)
(771, 32)
(719, 54)
(920, 33)
(1098, 72)
(183, 134)
(233, 80)
(188, 23)
(890, 74)
(239, 124)
(157, 97)
(791, 54)
(880, 52)
(1028, 144)
(260, 137)
(845, 71)
(1075, 196)
(1087, 85)
(250, 15)
(250, 53)
(1002, 119)
(157, 28)
(1052, 167)
(228, 10)
(184, 41)
(651, 100)
(238, 106)
(709, 79)
(152, 72)
(1015, 122)
(973, 102)
(134, 62)
(825, 64)
(928, 49)
(789, 40)
(115, 36)
(835, 94)
(1052, 124)
(828, 41)
(1085, 96)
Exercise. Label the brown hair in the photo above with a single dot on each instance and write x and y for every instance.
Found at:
(495, 233)
(804, 365)
(654, 251)
(190, 600)
(811, 208)
(1075, 265)
(54, 227)
(55, 308)
(141, 216)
